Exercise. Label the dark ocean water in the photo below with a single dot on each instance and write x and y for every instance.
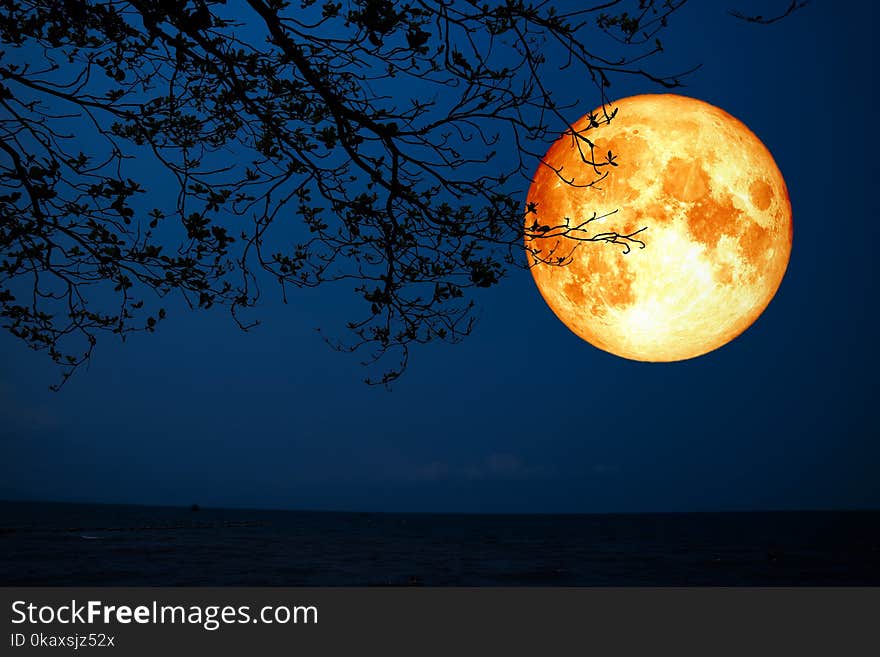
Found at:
(81, 544)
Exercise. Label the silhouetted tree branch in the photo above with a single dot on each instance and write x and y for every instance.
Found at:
(198, 148)
(763, 20)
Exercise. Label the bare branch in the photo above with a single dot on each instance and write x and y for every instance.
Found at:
(763, 20)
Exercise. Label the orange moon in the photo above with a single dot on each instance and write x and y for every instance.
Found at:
(717, 239)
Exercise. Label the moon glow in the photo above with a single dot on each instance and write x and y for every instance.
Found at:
(718, 236)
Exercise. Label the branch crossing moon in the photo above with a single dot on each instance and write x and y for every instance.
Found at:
(717, 219)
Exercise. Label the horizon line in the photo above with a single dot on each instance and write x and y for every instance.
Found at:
(202, 507)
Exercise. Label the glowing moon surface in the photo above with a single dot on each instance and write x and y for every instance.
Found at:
(718, 236)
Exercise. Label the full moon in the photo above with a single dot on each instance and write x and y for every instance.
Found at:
(717, 222)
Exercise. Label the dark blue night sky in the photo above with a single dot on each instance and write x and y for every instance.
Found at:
(779, 418)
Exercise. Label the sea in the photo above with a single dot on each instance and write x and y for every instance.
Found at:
(54, 544)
